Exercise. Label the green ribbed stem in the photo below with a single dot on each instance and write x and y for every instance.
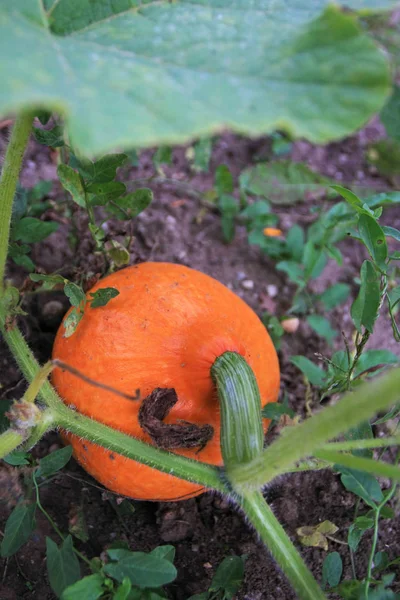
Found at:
(8, 182)
(242, 435)
(277, 541)
(9, 441)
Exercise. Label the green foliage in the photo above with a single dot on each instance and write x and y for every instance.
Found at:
(50, 137)
(332, 569)
(129, 65)
(103, 297)
(390, 114)
(19, 527)
(284, 182)
(62, 565)
(54, 462)
(226, 581)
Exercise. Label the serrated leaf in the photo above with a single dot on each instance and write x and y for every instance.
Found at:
(335, 295)
(31, 230)
(50, 137)
(362, 484)
(274, 410)
(314, 374)
(374, 239)
(284, 182)
(322, 327)
(365, 308)
(74, 293)
(101, 193)
(131, 205)
(48, 281)
(54, 462)
(332, 569)
(88, 588)
(145, 64)
(71, 322)
(71, 181)
(228, 577)
(103, 296)
(144, 570)
(62, 565)
(104, 170)
(19, 526)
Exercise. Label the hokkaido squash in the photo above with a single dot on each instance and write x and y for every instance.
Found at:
(163, 331)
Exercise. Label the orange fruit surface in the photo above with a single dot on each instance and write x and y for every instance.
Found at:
(164, 330)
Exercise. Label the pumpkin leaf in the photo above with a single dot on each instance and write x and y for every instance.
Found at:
(103, 296)
(144, 62)
(284, 182)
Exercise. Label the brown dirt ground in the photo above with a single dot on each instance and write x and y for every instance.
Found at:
(206, 529)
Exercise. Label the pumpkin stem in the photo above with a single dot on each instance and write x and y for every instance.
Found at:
(155, 408)
(242, 435)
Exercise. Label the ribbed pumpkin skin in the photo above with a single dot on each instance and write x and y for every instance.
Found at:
(164, 329)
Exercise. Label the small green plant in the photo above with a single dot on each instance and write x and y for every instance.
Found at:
(131, 81)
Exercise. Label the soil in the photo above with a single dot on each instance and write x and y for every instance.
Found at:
(177, 229)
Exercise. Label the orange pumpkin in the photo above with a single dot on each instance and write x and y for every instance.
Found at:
(164, 330)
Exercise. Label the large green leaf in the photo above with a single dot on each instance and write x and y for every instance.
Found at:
(140, 72)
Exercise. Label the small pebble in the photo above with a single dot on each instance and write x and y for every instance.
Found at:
(290, 325)
(240, 275)
(272, 291)
(248, 284)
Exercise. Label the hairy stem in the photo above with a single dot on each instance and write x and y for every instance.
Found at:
(368, 465)
(8, 182)
(305, 439)
(9, 441)
(283, 551)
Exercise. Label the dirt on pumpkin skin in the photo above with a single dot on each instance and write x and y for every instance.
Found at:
(206, 529)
